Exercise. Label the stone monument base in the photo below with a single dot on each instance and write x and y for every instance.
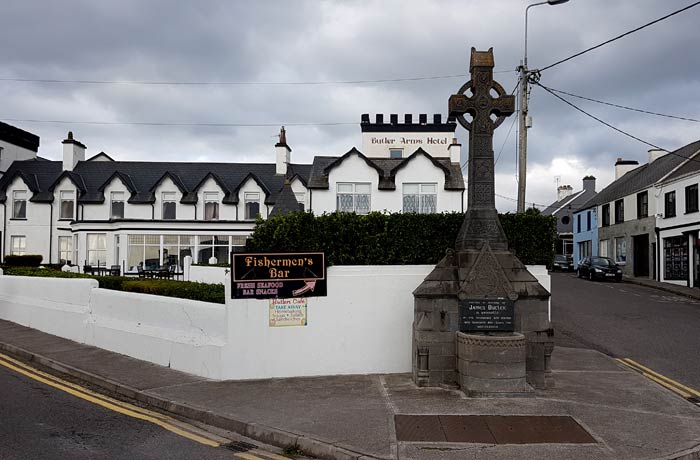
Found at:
(492, 365)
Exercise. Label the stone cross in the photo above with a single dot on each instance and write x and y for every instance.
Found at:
(475, 98)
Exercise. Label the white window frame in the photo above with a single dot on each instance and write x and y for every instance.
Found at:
(423, 191)
(211, 197)
(251, 197)
(66, 196)
(65, 253)
(98, 238)
(19, 249)
(114, 197)
(168, 197)
(352, 190)
(17, 197)
(604, 248)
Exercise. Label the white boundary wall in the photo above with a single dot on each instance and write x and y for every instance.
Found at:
(363, 326)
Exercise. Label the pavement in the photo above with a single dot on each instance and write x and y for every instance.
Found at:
(352, 417)
(692, 293)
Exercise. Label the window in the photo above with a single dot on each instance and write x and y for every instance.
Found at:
(211, 206)
(420, 198)
(578, 223)
(65, 249)
(588, 221)
(395, 153)
(170, 205)
(96, 249)
(75, 249)
(620, 250)
(691, 198)
(19, 204)
(301, 198)
(670, 204)
(676, 258)
(353, 197)
(603, 248)
(565, 220)
(642, 205)
(252, 205)
(18, 245)
(606, 215)
(619, 211)
(176, 248)
(67, 204)
(117, 205)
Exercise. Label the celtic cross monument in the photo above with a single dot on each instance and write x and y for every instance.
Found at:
(480, 297)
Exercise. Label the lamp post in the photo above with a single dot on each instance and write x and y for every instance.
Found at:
(524, 74)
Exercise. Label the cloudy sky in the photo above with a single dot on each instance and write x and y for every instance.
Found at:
(229, 41)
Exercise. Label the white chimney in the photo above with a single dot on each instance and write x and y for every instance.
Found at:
(455, 150)
(563, 191)
(73, 152)
(655, 154)
(283, 153)
(622, 167)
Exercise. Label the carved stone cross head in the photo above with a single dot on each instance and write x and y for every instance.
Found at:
(475, 98)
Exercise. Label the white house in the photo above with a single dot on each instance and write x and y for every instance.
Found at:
(98, 211)
(678, 224)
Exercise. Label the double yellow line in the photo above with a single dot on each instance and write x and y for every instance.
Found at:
(666, 382)
(169, 423)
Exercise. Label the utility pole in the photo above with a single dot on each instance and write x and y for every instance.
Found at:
(524, 124)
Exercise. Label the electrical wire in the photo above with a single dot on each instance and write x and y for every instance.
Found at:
(236, 83)
(153, 123)
(623, 106)
(534, 205)
(620, 36)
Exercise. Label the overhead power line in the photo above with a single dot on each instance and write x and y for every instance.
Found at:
(509, 198)
(154, 123)
(236, 83)
(620, 36)
(624, 107)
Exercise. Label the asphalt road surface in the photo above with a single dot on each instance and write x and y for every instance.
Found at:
(655, 328)
(39, 422)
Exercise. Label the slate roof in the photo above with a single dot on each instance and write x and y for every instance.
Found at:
(286, 202)
(690, 167)
(386, 169)
(573, 201)
(644, 176)
(141, 177)
(19, 137)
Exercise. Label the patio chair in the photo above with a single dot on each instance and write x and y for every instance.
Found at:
(140, 271)
(115, 270)
(87, 269)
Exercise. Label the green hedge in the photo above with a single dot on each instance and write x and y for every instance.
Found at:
(29, 260)
(396, 239)
(204, 292)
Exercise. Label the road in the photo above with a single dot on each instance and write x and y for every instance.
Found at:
(655, 328)
(40, 422)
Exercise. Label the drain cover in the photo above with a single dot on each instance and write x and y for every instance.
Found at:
(491, 429)
(240, 446)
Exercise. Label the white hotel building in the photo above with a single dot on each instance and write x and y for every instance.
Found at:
(98, 210)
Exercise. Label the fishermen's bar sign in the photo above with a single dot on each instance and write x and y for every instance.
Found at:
(278, 275)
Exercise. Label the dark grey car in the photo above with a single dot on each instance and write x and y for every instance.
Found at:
(599, 268)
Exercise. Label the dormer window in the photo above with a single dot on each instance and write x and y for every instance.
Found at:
(67, 209)
(252, 205)
(211, 206)
(353, 197)
(420, 198)
(169, 205)
(19, 204)
(117, 205)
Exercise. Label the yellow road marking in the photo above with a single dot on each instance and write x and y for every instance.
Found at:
(663, 377)
(82, 393)
(247, 456)
(270, 455)
(658, 378)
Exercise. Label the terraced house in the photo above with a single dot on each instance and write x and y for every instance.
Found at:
(101, 211)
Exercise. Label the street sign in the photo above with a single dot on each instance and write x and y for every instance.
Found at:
(278, 275)
(494, 314)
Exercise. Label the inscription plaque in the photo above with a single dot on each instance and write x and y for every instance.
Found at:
(495, 314)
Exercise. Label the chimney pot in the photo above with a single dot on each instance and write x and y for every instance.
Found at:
(70, 135)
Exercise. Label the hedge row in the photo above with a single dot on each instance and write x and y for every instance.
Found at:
(29, 260)
(204, 292)
(396, 239)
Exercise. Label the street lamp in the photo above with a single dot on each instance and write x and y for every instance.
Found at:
(524, 74)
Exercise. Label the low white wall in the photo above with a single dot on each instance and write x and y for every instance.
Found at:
(206, 274)
(183, 334)
(363, 326)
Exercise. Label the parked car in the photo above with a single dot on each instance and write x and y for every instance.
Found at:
(599, 268)
(563, 263)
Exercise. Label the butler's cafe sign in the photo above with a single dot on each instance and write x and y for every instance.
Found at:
(283, 275)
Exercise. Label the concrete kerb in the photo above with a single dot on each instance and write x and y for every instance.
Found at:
(256, 431)
(663, 287)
